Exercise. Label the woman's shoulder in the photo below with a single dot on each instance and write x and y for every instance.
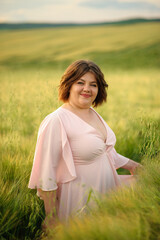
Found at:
(51, 120)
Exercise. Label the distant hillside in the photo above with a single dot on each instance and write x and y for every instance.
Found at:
(5, 26)
(134, 46)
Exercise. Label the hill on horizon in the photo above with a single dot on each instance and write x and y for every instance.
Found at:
(32, 25)
(128, 46)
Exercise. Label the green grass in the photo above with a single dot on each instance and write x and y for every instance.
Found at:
(130, 213)
(32, 63)
(120, 47)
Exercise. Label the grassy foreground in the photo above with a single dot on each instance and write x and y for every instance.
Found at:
(131, 213)
(31, 65)
(134, 119)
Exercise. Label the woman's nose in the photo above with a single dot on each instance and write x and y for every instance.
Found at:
(86, 88)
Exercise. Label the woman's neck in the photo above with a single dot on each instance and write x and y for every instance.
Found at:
(77, 109)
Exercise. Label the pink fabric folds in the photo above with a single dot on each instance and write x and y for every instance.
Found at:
(53, 161)
(117, 159)
(72, 156)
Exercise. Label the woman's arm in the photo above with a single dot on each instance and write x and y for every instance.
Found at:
(49, 198)
(120, 161)
(132, 166)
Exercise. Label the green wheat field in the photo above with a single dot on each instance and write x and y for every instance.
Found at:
(31, 65)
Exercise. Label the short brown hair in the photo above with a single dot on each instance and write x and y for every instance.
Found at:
(74, 72)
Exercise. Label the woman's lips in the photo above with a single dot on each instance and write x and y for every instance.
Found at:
(86, 95)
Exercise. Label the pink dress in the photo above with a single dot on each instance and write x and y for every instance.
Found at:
(72, 158)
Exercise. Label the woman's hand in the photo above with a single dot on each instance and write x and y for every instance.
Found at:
(132, 166)
(49, 223)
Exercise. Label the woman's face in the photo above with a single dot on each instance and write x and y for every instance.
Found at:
(84, 91)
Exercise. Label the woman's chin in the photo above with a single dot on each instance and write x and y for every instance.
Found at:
(85, 105)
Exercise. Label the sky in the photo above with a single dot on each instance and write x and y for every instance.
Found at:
(76, 11)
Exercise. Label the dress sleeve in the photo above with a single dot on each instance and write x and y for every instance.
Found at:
(118, 160)
(47, 155)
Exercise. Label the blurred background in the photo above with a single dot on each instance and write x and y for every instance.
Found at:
(62, 31)
(38, 40)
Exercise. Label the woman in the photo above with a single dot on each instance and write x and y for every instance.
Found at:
(75, 147)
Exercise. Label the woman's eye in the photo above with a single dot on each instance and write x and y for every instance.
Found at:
(82, 83)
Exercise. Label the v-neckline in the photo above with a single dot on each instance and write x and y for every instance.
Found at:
(88, 123)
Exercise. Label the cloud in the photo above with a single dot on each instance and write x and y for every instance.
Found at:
(122, 4)
(73, 11)
(153, 2)
(7, 5)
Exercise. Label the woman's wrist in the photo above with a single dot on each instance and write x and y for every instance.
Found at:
(132, 166)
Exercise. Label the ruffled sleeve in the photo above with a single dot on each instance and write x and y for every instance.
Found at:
(47, 155)
(53, 161)
(118, 160)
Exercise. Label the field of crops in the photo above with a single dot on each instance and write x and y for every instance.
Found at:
(31, 65)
